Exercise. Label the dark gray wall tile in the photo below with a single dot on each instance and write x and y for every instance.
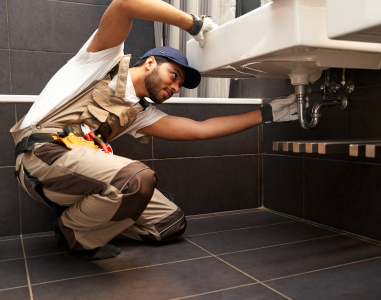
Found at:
(141, 38)
(132, 148)
(365, 105)
(51, 25)
(22, 109)
(204, 185)
(245, 142)
(344, 195)
(266, 88)
(9, 203)
(31, 71)
(5, 87)
(244, 6)
(3, 25)
(362, 78)
(289, 131)
(36, 217)
(7, 120)
(283, 184)
(95, 2)
(235, 88)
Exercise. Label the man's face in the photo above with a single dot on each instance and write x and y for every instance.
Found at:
(164, 80)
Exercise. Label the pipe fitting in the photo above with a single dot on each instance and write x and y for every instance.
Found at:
(300, 92)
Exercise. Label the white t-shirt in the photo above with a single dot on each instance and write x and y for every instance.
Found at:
(76, 75)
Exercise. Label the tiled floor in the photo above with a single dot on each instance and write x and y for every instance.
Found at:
(249, 254)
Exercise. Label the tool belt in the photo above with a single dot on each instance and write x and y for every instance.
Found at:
(28, 142)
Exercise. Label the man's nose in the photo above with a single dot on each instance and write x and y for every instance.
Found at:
(175, 87)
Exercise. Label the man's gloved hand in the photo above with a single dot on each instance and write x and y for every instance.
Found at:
(281, 110)
(200, 27)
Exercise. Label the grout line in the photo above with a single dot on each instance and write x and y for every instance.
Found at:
(327, 159)
(352, 235)
(42, 51)
(239, 228)
(304, 188)
(26, 270)
(153, 157)
(55, 253)
(211, 156)
(123, 270)
(258, 281)
(302, 241)
(5, 260)
(216, 291)
(9, 49)
(13, 288)
(263, 176)
(12, 239)
(224, 213)
(37, 236)
(323, 269)
(71, 2)
(19, 195)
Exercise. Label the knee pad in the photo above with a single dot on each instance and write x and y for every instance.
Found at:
(137, 183)
(172, 226)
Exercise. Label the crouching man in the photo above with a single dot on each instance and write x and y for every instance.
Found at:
(97, 196)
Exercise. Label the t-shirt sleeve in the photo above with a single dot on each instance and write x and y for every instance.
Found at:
(143, 119)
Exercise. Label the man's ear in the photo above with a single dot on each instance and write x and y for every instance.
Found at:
(150, 63)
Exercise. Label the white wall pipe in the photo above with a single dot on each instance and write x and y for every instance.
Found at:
(173, 100)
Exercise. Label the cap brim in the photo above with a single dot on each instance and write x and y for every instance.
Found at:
(192, 76)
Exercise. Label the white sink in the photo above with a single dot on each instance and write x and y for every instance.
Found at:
(283, 39)
(354, 20)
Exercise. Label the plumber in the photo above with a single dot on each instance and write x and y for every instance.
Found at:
(97, 196)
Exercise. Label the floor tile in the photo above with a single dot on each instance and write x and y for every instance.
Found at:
(224, 242)
(237, 220)
(16, 294)
(12, 274)
(351, 282)
(11, 249)
(160, 282)
(252, 292)
(276, 262)
(134, 255)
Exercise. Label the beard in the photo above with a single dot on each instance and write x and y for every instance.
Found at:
(152, 84)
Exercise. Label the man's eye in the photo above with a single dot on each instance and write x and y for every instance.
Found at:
(174, 75)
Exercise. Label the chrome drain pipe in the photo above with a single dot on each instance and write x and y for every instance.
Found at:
(300, 92)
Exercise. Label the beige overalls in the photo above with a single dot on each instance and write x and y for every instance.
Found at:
(107, 195)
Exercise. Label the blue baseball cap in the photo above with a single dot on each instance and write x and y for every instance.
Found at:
(192, 76)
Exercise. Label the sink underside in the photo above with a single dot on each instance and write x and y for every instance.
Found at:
(283, 39)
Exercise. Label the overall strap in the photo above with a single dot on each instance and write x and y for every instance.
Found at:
(121, 83)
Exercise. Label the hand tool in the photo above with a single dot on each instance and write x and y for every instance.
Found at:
(87, 131)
